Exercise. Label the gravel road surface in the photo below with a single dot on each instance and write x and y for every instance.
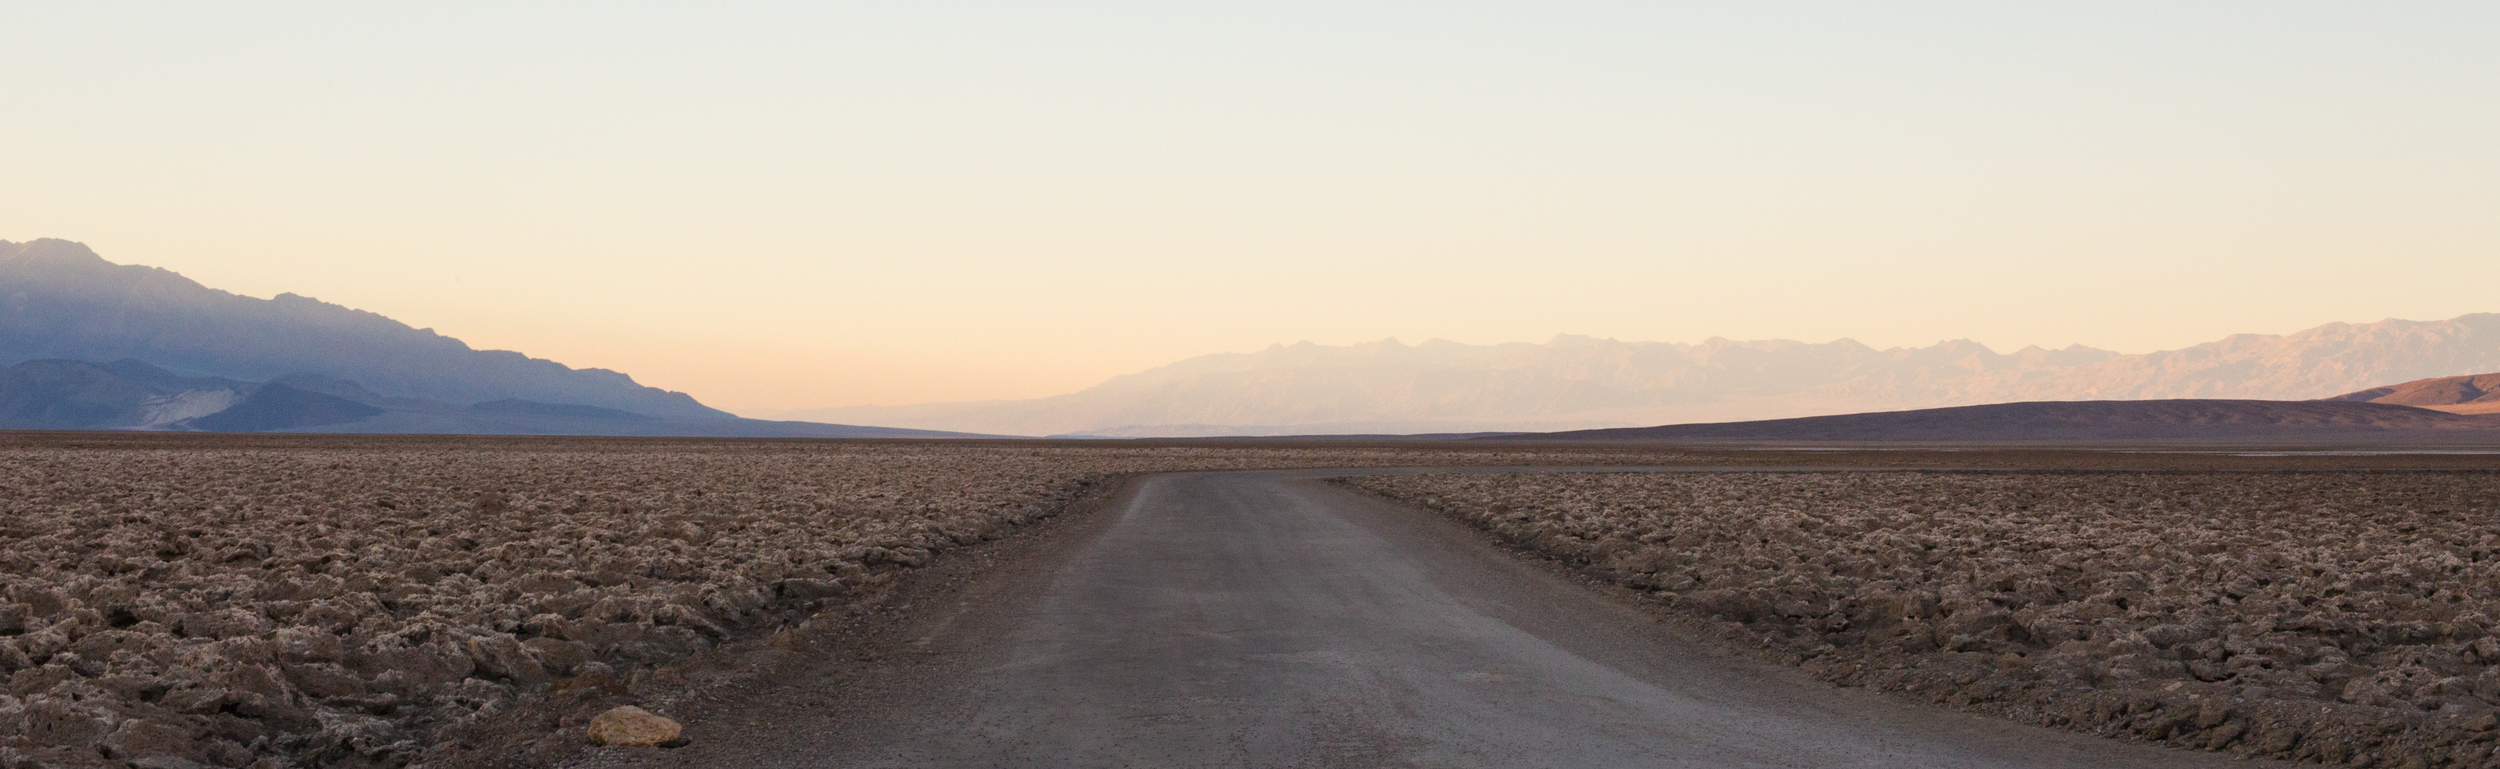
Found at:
(1263, 619)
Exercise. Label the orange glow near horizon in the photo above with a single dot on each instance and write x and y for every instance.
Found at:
(898, 203)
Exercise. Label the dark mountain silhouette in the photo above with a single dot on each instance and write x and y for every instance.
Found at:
(54, 394)
(162, 381)
(2154, 420)
(334, 386)
(2474, 394)
(275, 406)
(78, 395)
(60, 300)
(64, 394)
(534, 408)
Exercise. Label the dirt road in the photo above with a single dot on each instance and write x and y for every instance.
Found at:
(1262, 619)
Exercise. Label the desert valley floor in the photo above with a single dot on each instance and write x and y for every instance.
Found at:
(193, 600)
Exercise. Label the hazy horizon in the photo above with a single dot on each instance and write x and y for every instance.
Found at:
(799, 207)
(796, 412)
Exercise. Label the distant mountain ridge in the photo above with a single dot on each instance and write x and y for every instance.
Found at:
(56, 394)
(2204, 420)
(76, 395)
(185, 357)
(273, 407)
(2474, 394)
(59, 300)
(1574, 382)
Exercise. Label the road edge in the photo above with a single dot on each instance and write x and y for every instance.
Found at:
(544, 729)
(2131, 715)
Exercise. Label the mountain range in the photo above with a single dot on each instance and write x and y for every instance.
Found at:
(60, 300)
(56, 394)
(2189, 420)
(2456, 411)
(2475, 394)
(88, 344)
(92, 345)
(1577, 382)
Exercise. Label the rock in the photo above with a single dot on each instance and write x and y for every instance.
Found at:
(430, 665)
(323, 680)
(230, 623)
(600, 682)
(223, 752)
(543, 583)
(499, 656)
(690, 618)
(2166, 636)
(560, 658)
(631, 726)
(2483, 723)
(358, 735)
(809, 589)
(142, 740)
(53, 722)
(197, 700)
(2213, 712)
(306, 644)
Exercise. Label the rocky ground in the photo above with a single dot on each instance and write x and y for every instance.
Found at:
(179, 601)
(2341, 617)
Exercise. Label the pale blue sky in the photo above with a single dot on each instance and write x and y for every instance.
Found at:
(829, 204)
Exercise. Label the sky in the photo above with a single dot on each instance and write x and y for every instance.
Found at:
(779, 206)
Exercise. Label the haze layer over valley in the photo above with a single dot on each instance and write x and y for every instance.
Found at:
(1576, 382)
(96, 345)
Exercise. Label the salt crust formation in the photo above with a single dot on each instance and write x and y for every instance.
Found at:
(2337, 617)
(344, 607)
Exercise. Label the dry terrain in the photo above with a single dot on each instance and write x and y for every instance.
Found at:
(1268, 619)
(174, 601)
(2345, 617)
(2475, 394)
(2091, 421)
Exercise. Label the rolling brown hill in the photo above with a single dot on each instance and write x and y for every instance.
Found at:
(2473, 394)
(2155, 420)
